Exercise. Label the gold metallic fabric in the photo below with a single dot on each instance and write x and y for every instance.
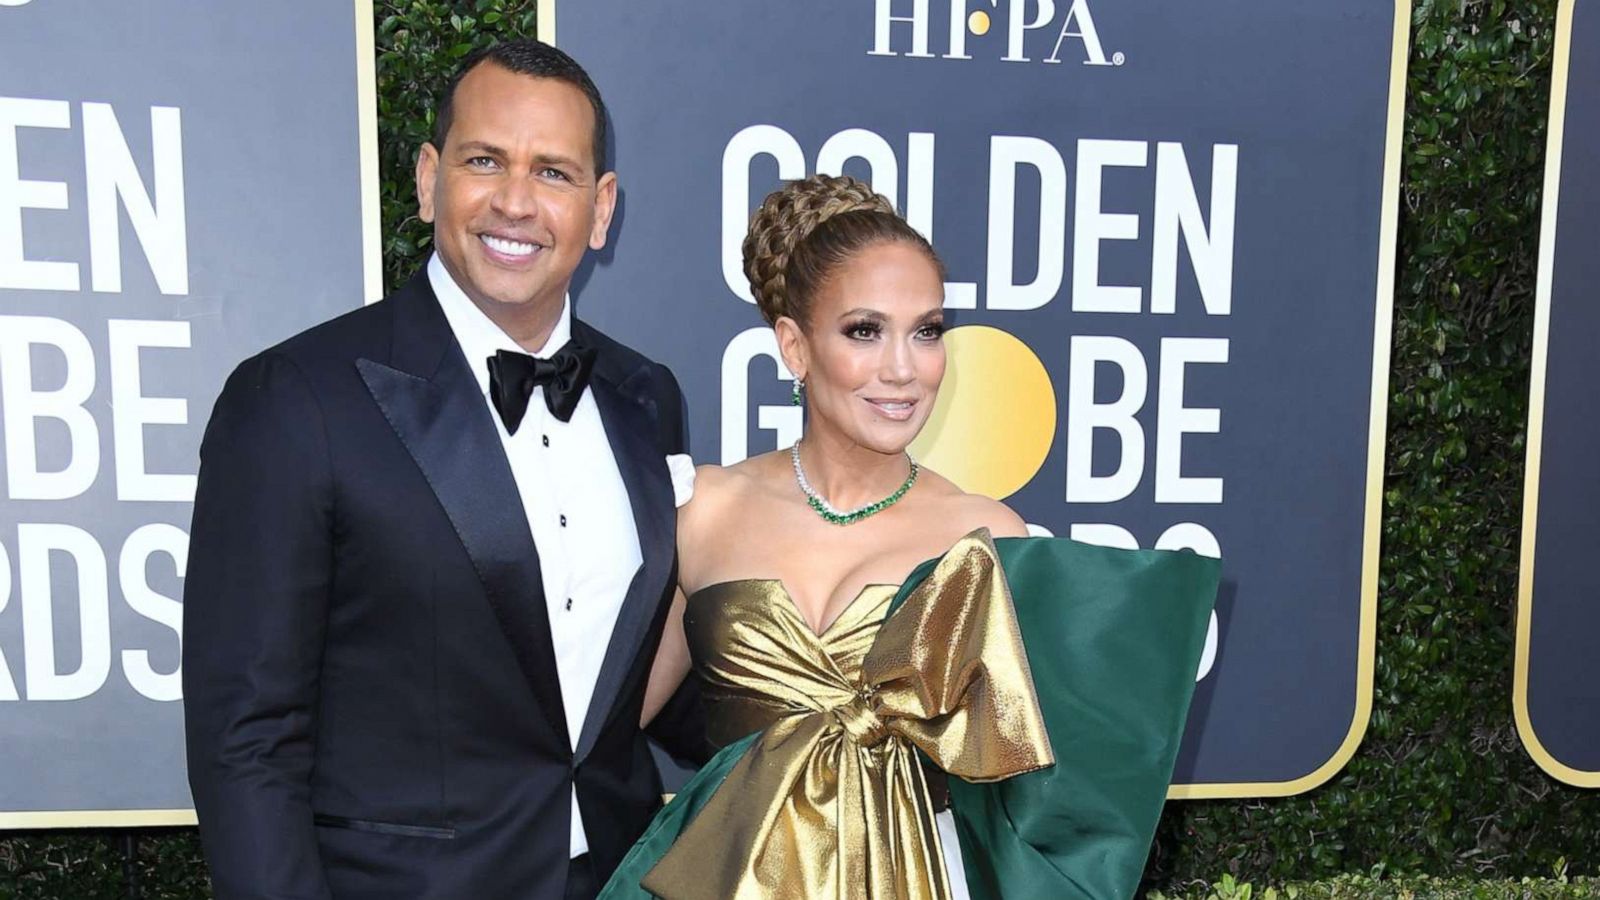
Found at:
(830, 802)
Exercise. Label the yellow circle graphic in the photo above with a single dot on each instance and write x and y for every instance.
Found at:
(978, 22)
(995, 419)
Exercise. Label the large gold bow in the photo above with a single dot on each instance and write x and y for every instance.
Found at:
(830, 801)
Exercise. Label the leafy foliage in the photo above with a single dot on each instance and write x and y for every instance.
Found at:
(419, 43)
(1441, 786)
(1374, 887)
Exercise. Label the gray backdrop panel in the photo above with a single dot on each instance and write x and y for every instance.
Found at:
(272, 181)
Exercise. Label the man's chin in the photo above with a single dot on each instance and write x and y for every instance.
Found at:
(510, 296)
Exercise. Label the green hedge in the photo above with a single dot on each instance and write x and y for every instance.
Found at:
(1441, 786)
(1366, 887)
(418, 45)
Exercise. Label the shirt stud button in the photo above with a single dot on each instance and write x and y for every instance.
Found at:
(563, 521)
(569, 604)
(546, 440)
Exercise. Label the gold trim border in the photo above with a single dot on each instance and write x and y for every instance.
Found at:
(104, 818)
(1377, 429)
(367, 129)
(372, 283)
(1536, 387)
(545, 21)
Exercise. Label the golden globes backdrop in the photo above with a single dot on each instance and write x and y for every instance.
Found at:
(181, 185)
(1557, 685)
(1169, 228)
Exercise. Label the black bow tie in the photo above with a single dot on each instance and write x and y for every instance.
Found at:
(513, 376)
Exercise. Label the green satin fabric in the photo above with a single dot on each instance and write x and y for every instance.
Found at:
(1113, 638)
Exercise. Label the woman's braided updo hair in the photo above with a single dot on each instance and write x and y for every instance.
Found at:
(805, 231)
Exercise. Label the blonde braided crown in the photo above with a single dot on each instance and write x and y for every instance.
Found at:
(784, 266)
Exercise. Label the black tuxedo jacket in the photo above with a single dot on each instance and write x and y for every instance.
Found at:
(371, 696)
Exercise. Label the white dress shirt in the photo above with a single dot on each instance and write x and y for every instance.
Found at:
(576, 504)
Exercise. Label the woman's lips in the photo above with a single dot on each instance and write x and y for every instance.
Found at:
(896, 410)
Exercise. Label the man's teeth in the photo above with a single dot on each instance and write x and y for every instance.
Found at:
(509, 248)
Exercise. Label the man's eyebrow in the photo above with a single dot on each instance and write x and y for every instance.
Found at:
(556, 159)
(482, 147)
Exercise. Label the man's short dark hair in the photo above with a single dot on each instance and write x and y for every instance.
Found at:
(526, 56)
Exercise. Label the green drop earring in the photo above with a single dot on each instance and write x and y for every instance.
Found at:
(794, 396)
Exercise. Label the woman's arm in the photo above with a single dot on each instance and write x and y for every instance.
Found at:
(672, 654)
(671, 664)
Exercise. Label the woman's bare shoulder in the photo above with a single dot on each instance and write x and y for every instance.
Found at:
(728, 502)
(720, 481)
(968, 512)
(719, 489)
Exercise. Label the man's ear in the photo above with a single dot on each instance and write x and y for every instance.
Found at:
(792, 346)
(605, 204)
(427, 172)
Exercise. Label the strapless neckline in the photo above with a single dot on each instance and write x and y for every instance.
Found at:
(788, 598)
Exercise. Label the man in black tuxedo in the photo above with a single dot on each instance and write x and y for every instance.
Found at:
(433, 548)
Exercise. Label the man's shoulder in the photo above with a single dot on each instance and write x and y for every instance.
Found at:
(323, 356)
(623, 361)
(353, 330)
(367, 331)
(330, 346)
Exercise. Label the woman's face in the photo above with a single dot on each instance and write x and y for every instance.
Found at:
(873, 354)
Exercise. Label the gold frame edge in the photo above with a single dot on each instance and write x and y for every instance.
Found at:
(546, 21)
(367, 131)
(97, 818)
(1536, 386)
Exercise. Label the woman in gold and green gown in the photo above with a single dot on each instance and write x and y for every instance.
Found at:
(862, 666)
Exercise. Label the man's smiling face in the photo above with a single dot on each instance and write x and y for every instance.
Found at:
(513, 195)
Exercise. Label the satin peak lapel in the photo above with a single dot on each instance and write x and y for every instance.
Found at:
(630, 429)
(446, 427)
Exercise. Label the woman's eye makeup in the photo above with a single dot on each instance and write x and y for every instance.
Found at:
(863, 330)
(869, 329)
